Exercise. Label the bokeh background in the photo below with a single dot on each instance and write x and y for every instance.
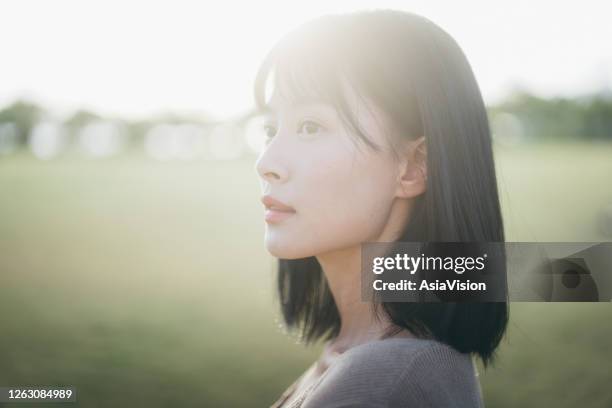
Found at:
(132, 263)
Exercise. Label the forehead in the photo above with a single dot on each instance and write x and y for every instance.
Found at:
(278, 104)
(285, 97)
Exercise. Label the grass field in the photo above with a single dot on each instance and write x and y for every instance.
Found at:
(146, 284)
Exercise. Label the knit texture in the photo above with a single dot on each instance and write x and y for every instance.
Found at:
(398, 372)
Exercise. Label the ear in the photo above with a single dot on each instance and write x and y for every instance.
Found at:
(412, 179)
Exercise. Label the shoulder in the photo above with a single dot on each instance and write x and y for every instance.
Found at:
(400, 372)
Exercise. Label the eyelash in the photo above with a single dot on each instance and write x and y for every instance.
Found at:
(306, 122)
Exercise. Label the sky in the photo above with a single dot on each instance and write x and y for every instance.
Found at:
(140, 58)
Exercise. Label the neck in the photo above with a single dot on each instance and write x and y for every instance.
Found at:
(342, 269)
(358, 323)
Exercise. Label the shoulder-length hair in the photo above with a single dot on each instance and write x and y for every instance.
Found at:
(417, 74)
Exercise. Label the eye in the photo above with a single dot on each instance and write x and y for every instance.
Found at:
(269, 131)
(309, 127)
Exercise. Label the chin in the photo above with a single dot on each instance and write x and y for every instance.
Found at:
(284, 249)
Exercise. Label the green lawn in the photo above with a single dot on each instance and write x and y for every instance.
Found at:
(147, 284)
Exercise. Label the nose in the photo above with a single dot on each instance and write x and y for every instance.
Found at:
(270, 168)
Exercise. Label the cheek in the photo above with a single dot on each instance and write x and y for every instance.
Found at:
(355, 201)
(344, 198)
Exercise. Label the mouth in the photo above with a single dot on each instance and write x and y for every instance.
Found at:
(276, 210)
(274, 216)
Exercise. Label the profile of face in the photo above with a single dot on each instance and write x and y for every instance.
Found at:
(340, 191)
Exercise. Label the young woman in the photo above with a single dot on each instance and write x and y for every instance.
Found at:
(376, 132)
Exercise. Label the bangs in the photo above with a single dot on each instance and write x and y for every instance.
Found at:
(310, 66)
(304, 66)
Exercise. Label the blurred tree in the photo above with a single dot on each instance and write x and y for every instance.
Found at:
(137, 131)
(598, 119)
(24, 115)
(77, 121)
(81, 118)
(560, 118)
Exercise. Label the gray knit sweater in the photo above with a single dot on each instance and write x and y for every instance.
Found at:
(397, 372)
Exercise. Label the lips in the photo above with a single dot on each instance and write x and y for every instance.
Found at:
(276, 205)
(276, 210)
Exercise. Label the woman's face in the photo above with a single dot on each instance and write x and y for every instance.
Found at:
(341, 190)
